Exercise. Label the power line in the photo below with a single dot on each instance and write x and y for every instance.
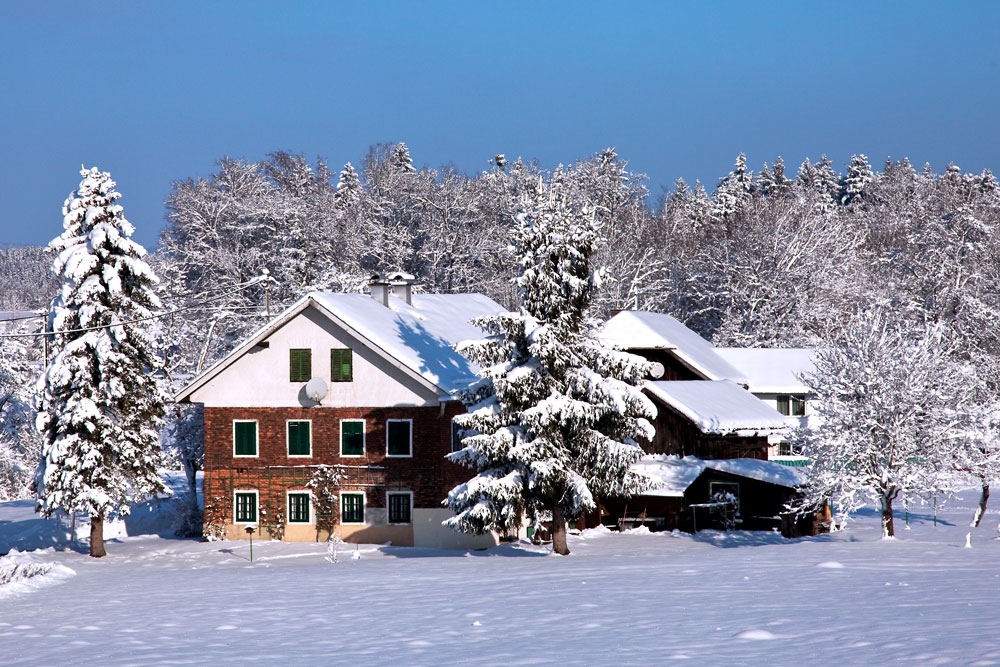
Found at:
(236, 288)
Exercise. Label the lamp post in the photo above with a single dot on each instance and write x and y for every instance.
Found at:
(250, 533)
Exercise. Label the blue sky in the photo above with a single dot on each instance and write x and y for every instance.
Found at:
(156, 92)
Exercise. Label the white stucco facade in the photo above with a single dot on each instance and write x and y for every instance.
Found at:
(259, 378)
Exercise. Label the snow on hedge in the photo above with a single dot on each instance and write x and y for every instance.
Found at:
(22, 572)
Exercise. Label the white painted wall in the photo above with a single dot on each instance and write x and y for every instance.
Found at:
(260, 377)
(808, 420)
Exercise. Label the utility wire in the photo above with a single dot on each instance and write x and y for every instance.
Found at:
(157, 316)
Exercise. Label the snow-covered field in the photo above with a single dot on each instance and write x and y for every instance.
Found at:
(743, 598)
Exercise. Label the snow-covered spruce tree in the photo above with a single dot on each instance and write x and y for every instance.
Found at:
(892, 408)
(100, 407)
(556, 419)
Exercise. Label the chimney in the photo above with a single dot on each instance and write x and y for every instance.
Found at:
(398, 284)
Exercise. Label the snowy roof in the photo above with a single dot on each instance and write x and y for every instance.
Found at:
(633, 329)
(420, 338)
(672, 475)
(719, 407)
(771, 370)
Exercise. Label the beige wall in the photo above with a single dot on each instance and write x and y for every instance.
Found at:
(259, 378)
(426, 531)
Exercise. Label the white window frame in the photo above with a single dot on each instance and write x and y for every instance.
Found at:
(256, 493)
(256, 438)
(364, 508)
(340, 445)
(288, 440)
(288, 507)
(398, 456)
(398, 493)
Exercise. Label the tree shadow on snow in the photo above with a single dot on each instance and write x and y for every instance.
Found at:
(501, 551)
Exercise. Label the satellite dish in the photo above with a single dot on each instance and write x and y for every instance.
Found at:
(656, 370)
(316, 389)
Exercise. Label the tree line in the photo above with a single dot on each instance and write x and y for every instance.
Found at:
(764, 258)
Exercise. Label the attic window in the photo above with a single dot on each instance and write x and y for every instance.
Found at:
(341, 365)
(791, 405)
(299, 365)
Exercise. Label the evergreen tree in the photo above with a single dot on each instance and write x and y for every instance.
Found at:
(856, 181)
(401, 159)
(100, 405)
(556, 419)
(349, 191)
(733, 192)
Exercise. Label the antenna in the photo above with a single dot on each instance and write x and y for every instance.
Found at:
(316, 389)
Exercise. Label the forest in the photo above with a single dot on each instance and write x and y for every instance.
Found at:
(762, 258)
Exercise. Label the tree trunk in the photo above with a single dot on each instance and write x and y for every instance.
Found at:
(97, 536)
(887, 530)
(559, 531)
(983, 499)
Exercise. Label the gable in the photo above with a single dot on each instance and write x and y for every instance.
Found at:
(259, 376)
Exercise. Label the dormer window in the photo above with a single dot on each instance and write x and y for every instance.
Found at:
(299, 365)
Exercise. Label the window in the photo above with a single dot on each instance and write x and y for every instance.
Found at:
(456, 437)
(244, 438)
(786, 448)
(300, 438)
(397, 437)
(298, 507)
(400, 506)
(352, 508)
(352, 437)
(341, 365)
(246, 506)
(792, 406)
(299, 365)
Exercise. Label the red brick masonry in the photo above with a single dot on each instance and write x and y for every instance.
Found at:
(427, 474)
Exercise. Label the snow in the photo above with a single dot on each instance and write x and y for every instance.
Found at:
(643, 330)
(762, 471)
(719, 407)
(633, 598)
(672, 475)
(771, 370)
(421, 336)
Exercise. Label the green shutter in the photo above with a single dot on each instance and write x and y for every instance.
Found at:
(456, 437)
(341, 365)
(298, 438)
(398, 438)
(245, 438)
(299, 365)
(352, 438)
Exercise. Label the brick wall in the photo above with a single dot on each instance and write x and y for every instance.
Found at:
(427, 473)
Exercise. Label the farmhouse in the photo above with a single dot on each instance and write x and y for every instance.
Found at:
(712, 433)
(362, 389)
(360, 383)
